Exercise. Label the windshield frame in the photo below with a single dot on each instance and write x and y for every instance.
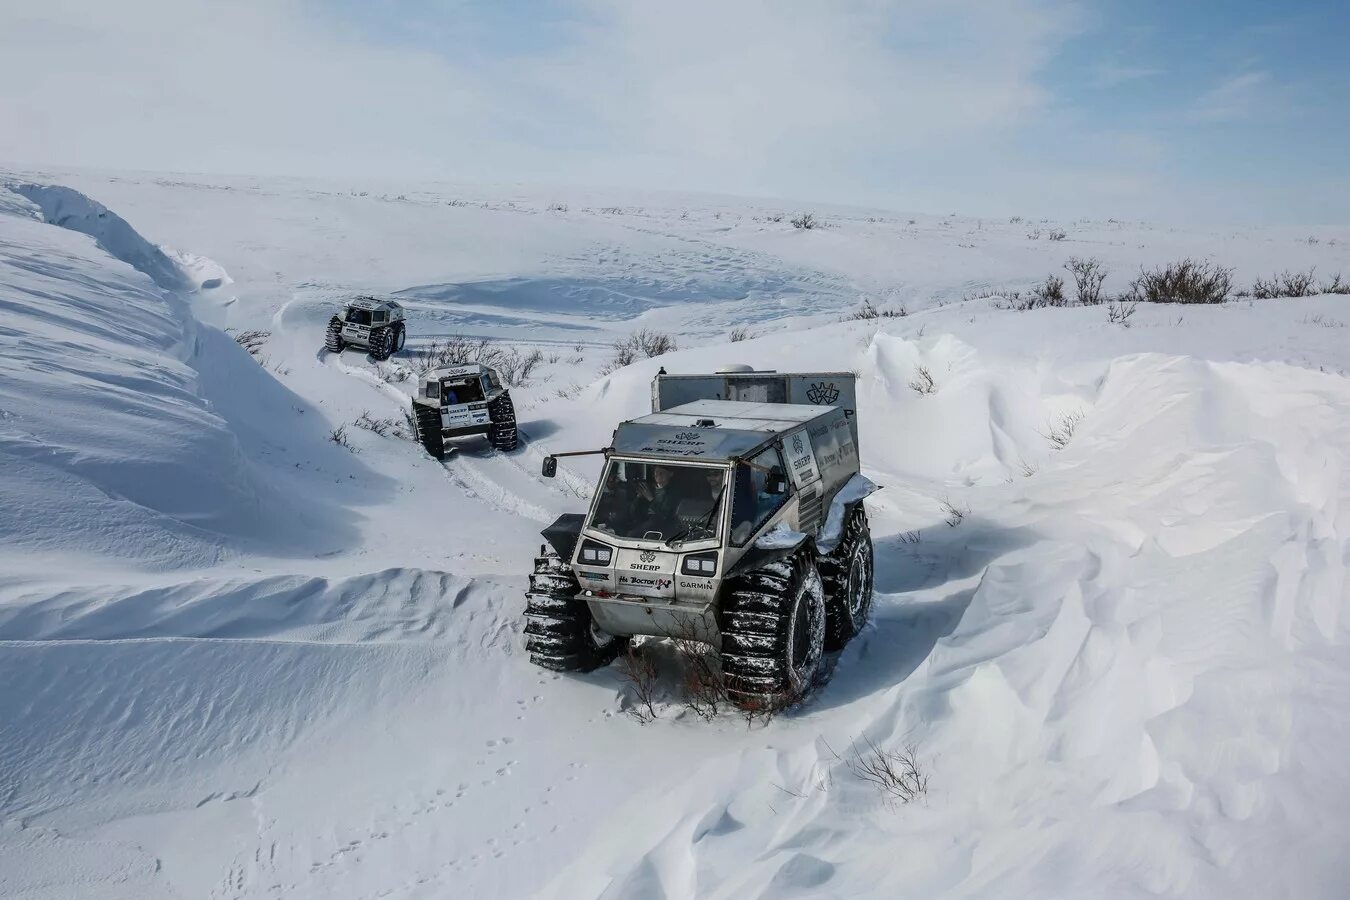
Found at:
(718, 538)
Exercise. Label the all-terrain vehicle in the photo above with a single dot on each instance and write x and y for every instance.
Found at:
(463, 400)
(369, 323)
(735, 523)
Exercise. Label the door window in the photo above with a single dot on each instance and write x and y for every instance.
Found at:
(760, 490)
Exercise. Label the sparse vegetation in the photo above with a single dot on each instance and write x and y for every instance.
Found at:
(253, 341)
(1057, 234)
(869, 310)
(1286, 284)
(1088, 277)
(645, 342)
(514, 366)
(1049, 293)
(805, 221)
(911, 537)
(954, 515)
(339, 436)
(1119, 311)
(897, 774)
(1186, 281)
(922, 382)
(1061, 431)
(639, 670)
(740, 333)
(1336, 285)
(401, 428)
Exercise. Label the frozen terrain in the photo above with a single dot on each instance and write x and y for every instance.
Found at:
(240, 660)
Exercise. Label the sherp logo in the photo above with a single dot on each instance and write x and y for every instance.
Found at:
(823, 393)
(797, 444)
(648, 556)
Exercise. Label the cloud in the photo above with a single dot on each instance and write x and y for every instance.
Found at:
(751, 95)
(1235, 98)
(1109, 75)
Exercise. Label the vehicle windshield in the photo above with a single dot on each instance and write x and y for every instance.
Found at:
(461, 390)
(358, 316)
(659, 501)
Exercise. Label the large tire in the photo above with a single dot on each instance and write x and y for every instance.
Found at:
(401, 340)
(847, 575)
(333, 341)
(772, 622)
(382, 343)
(502, 433)
(427, 419)
(560, 633)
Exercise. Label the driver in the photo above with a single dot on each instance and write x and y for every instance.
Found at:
(661, 497)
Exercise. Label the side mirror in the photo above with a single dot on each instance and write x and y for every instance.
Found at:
(775, 484)
(550, 466)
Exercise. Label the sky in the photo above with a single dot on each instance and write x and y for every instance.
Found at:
(1171, 111)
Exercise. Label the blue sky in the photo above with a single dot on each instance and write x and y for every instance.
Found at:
(1168, 111)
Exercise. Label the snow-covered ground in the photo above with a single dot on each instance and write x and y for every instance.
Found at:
(240, 660)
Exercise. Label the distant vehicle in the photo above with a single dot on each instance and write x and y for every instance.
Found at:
(739, 524)
(460, 401)
(369, 323)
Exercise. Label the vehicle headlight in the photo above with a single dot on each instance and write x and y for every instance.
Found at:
(699, 564)
(595, 553)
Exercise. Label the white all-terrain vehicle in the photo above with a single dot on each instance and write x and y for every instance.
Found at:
(739, 524)
(369, 323)
(460, 401)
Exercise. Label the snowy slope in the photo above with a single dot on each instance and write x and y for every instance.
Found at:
(243, 661)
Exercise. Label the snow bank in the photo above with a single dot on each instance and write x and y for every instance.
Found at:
(68, 208)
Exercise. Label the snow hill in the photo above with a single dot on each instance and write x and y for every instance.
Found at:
(242, 660)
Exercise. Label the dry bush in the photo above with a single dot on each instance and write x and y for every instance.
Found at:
(740, 333)
(705, 688)
(922, 382)
(1336, 285)
(1119, 311)
(339, 436)
(805, 221)
(1186, 281)
(1028, 469)
(870, 310)
(516, 367)
(1060, 432)
(645, 342)
(392, 374)
(1286, 284)
(955, 515)
(1057, 234)
(401, 428)
(1015, 220)
(252, 341)
(1049, 293)
(897, 774)
(1088, 277)
(911, 537)
(639, 670)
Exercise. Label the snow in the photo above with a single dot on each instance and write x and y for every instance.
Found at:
(241, 660)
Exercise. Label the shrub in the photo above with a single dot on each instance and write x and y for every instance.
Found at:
(1186, 281)
(1057, 234)
(739, 333)
(1119, 311)
(955, 515)
(644, 342)
(870, 310)
(1049, 293)
(516, 367)
(922, 382)
(638, 668)
(1088, 277)
(1336, 286)
(1061, 432)
(252, 341)
(897, 774)
(339, 436)
(1286, 284)
(805, 222)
